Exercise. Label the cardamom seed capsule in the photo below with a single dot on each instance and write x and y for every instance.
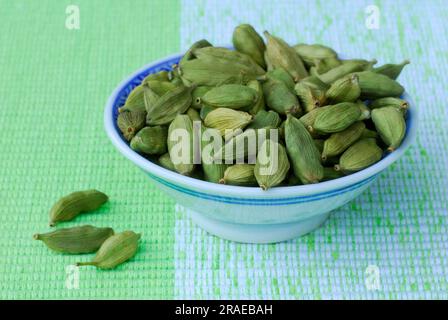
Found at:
(330, 173)
(309, 98)
(391, 126)
(243, 146)
(181, 152)
(223, 54)
(315, 83)
(130, 122)
(169, 105)
(325, 65)
(304, 155)
(69, 206)
(246, 40)
(233, 96)
(197, 95)
(272, 164)
(309, 118)
(150, 98)
(338, 142)
(343, 70)
(165, 161)
(265, 119)
(359, 156)
(115, 250)
(280, 99)
(160, 87)
(134, 101)
(345, 89)
(189, 54)
(337, 117)
(150, 140)
(224, 119)
(365, 110)
(312, 52)
(375, 85)
(205, 110)
(85, 239)
(398, 103)
(369, 134)
(281, 75)
(193, 114)
(211, 141)
(158, 76)
(239, 175)
(319, 144)
(269, 65)
(281, 55)
(259, 104)
(213, 72)
(392, 70)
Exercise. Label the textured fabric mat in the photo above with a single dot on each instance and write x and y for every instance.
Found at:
(54, 83)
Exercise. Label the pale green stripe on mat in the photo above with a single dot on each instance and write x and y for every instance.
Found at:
(53, 87)
(399, 226)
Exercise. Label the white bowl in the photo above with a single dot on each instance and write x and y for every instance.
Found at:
(248, 214)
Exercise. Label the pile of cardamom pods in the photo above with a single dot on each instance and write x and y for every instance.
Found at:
(112, 249)
(333, 116)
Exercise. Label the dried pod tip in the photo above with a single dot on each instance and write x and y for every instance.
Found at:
(404, 105)
(324, 157)
(337, 167)
(354, 78)
(80, 264)
(36, 236)
(266, 34)
(310, 129)
(263, 187)
(222, 181)
(390, 149)
(52, 224)
(198, 100)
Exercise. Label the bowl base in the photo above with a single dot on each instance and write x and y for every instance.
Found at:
(257, 233)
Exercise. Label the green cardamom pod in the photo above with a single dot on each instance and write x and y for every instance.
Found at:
(165, 161)
(322, 66)
(69, 206)
(272, 164)
(345, 89)
(359, 156)
(375, 85)
(134, 101)
(369, 134)
(205, 110)
(158, 76)
(312, 52)
(213, 72)
(392, 70)
(281, 75)
(398, 103)
(189, 54)
(331, 173)
(281, 55)
(233, 96)
(269, 66)
(265, 119)
(239, 175)
(246, 40)
(280, 99)
(181, 152)
(293, 180)
(309, 118)
(130, 122)
(193, 114)
(365, 110)
(211, 141)
(197, 95)
(160, 87)
(337, 117)
(338, 142)
(169, 105)
(308, 97)
(259, 104)
(85, 239)
(319, 144)
(304, 155)
(243, 146)
(391, 126)
(344, 69)
(150, 98)
(115, 250)
(150, 140)
(224, 119)
(214, 54)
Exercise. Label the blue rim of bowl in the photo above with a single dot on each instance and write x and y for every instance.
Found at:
(277, 195)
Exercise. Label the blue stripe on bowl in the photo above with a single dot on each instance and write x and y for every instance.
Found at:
(263, 202)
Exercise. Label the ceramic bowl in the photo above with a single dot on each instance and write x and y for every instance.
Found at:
(246, 214)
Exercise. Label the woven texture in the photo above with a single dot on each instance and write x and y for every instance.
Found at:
(54, 83)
